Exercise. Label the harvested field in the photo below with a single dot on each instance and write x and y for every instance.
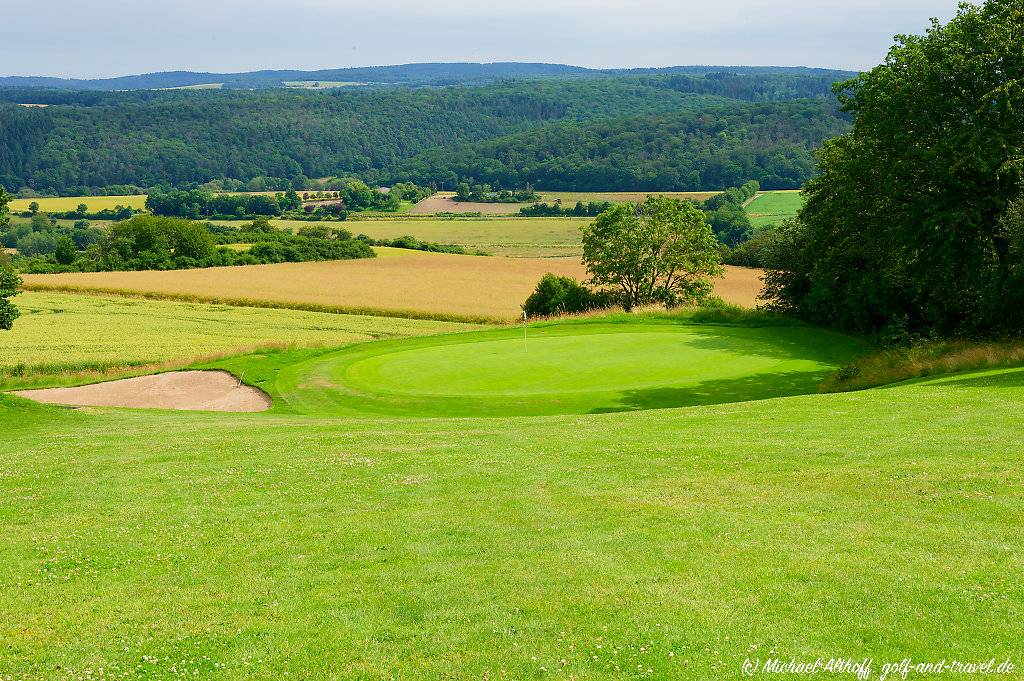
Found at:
(183, 390)
(402, 283)
(442, 201)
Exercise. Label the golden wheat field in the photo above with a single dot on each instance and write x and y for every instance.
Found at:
(399, 282)
(65, 203)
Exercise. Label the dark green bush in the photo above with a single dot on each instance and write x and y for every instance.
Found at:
(557, 295)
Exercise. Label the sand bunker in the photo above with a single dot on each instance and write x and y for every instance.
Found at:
(187, 390)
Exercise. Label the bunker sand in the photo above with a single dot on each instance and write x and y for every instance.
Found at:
(182, 390)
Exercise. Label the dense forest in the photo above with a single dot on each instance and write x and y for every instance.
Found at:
(674, 131)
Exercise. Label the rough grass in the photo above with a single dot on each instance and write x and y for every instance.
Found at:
(650, 545)
(924, 359)
(63, 338)
(401, 283)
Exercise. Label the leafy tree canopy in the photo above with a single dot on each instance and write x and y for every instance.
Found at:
(661, 250)
(909, 228)
(9, 281)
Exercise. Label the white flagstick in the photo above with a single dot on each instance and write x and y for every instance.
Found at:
(525, 349)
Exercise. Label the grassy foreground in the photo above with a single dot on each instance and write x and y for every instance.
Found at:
(656, 544)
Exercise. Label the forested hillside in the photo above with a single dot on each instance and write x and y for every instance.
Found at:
(668, 132)
(711, 146)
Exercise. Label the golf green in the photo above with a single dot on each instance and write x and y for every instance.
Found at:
(565, 368)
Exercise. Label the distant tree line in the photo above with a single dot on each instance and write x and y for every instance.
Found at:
(580, 210)
(197, 203)
(10, 282)
(148, 242)
(484, 193)
(340, 197)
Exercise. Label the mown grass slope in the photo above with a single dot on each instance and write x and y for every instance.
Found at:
(656, 544)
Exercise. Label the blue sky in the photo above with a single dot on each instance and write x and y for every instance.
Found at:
(110, 37)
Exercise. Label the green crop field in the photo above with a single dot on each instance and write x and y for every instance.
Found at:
(66, 203)
(662, 543)
(60, 335)
(518, 237)
(771, 208)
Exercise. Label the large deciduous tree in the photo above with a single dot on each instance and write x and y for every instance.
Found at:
(661, 250)
(907, 229)
(9, 281)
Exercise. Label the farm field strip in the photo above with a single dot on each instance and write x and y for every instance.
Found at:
(400, 282)
(442, 201)
(500, 236)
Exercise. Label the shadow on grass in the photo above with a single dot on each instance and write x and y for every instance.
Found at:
(778, 343)
(723, 391)
(1009, 378)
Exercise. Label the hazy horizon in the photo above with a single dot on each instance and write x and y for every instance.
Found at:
(101, 40)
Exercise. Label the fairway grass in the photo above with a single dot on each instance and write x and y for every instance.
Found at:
(617, 363)
(398, 283)
(63, 337)
(660, 544)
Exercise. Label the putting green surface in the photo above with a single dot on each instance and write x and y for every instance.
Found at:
(563, 368)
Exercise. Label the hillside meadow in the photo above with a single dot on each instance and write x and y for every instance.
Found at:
(398, 283)
(771, 208)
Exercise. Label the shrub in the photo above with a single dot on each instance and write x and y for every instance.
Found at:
(557, 295)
